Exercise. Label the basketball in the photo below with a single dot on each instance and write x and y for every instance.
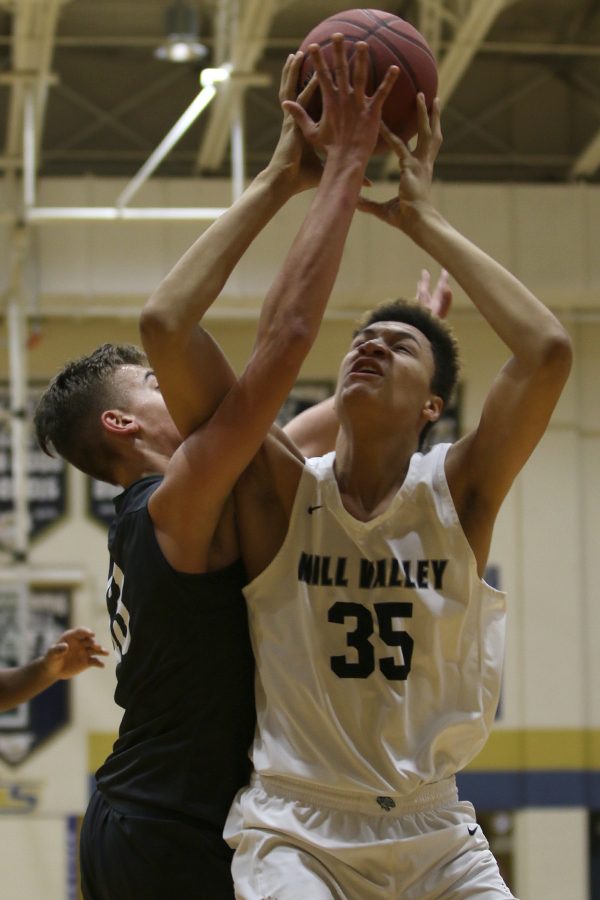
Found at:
(391, 41)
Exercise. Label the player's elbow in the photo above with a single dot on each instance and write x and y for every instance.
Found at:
(156, 324)
(557, 353)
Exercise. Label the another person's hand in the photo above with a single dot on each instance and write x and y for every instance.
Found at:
(74, 651)
(294, 160)
(416, 171)
(439, 301)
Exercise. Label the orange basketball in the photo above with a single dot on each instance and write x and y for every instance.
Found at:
(390, 41)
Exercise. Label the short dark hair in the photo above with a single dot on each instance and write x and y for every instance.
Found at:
(67, 416)
(443, 343)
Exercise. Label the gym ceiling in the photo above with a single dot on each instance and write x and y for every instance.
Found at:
(519, 82)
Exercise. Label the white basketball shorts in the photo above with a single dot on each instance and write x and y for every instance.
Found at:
(292, 845)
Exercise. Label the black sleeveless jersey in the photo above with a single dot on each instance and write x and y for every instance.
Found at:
(185, 676)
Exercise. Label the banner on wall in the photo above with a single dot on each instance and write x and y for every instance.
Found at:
(25, 635)
(46, 476)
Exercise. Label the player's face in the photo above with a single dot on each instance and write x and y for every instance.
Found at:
(391, 362)
(146, 403)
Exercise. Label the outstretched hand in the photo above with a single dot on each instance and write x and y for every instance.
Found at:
(416, 171)
(350, 118)
(293, 156)
(74, 651)
(437, 302)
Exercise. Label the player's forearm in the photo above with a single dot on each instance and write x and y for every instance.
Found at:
(22, 683)
(193, 372)
(295, 304)
(289, 322)
(521, 321)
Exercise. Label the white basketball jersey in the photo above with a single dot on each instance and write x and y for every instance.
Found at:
(378, 647)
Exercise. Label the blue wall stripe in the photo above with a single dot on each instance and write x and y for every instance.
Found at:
(519, 789)
(72, 880)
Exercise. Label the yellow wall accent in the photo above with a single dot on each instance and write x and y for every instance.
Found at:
(100, 744)
(506, 750)
(549, 748)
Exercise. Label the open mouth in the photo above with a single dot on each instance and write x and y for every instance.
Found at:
(365, 367)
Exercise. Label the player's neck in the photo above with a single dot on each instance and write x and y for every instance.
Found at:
(147, 463)
(370, 473)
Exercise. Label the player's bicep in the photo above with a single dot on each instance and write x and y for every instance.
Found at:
(186, 509)
(203, 471)
(193, 375)
(515, 415)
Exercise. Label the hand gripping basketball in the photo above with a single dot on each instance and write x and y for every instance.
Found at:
(416, 171)
(350, 118)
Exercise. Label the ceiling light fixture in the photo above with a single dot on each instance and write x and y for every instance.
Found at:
(210, 77)
(182, 43)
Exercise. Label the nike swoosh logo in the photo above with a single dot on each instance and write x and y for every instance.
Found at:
(472, 830)
(311, 509)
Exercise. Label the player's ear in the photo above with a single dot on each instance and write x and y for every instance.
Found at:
(433, 408)
(117, 422)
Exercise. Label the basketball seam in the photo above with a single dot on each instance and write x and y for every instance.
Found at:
(412, 40)
(401, 58)
(389, 23)
(380, 23)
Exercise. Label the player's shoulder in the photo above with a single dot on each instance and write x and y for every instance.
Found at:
(427, 470)
(132, 504)
(137, 494)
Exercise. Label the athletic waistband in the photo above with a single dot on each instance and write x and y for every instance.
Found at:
(128, 807)
(429, 796)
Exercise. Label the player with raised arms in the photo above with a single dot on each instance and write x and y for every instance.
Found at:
(378, 644)
(153, 827)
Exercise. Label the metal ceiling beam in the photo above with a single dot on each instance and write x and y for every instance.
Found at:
(33, 33)
(187, 118)
(473, 20)
(118, 112)
(587, 162)
(102, 119)
(431, 19)
(493, 48)
(49, 214)
(241, 32)
(33, 30)
(467, 40)
(475, 122)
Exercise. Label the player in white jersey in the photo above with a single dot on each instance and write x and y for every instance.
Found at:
(379, 653)
(378, 646)
(390, 621)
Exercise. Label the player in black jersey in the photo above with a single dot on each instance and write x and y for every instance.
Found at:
(185, 681)
(185, 669)
(153, 827)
